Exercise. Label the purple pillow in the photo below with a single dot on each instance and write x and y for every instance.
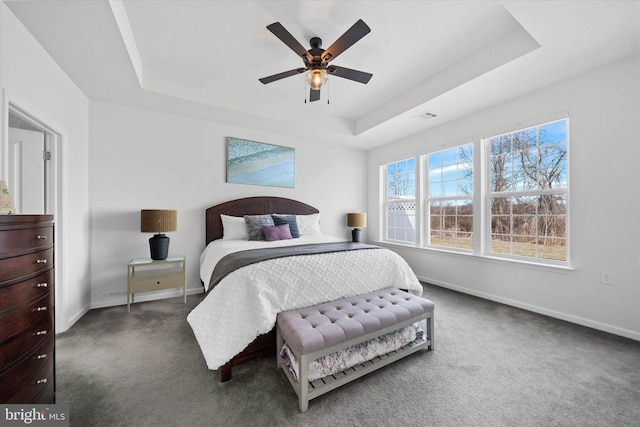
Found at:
(277, 232)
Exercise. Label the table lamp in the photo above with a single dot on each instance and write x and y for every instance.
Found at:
(356, 220)
(158, 221)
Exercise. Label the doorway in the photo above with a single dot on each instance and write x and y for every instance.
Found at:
(30, 170)
(26, 173)
(34, 179)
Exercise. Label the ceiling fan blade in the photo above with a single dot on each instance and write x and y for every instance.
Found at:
(280, 32)
(314, 95)
(348, 73)
(352, 35)
(282, 75)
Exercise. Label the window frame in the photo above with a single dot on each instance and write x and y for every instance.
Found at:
(387, 202)
(427, 198)
(481, 198)
(488, 195)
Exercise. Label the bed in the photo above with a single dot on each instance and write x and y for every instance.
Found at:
(234, 322)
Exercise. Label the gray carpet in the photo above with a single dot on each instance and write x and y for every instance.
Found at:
(494, 365)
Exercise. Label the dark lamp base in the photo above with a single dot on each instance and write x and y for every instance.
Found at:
(159, 246)
(356, 235)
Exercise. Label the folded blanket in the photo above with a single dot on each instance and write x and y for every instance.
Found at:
(354, 355)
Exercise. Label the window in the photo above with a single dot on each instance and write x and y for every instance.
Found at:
(450, 198)
(400, 200)
(528, 192)
(517, 211)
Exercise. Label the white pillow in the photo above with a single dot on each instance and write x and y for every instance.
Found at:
(234, 228)
(309, 225)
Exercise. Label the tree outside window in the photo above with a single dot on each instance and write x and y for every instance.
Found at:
(450, 198)
(528, 192)
(524, 196)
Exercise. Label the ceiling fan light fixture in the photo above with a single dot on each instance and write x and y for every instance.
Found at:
(316, 78)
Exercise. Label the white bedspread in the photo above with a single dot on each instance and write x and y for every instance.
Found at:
(245, 303)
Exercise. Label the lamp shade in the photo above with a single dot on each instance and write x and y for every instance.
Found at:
(158, 220)
(357, 220)
(316, 78)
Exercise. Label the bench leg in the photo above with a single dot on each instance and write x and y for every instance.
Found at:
(279, 343)
(430, 329)
(303, 382)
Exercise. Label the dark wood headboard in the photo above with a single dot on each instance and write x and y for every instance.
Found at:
(252, 206)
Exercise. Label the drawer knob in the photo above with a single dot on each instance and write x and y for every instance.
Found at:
(42, 356)
(43, 332)
(41, 309)
(41, 237)
(42, 285)
(41, 261)
(42, 381)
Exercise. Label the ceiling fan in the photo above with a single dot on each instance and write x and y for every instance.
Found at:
(316, 60)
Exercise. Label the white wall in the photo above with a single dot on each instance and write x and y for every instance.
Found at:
(142, 159)
(604, 111)
(31, 80)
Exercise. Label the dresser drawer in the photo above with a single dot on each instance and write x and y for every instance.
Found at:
(34, 391)
(17, 322)
(20, 240)
(34, 370)
(16, 296)
(34, 336)
(19, 266)
(38, 389)
(45, 396)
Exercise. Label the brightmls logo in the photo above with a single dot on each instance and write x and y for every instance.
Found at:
(36, 415)
(26, 416)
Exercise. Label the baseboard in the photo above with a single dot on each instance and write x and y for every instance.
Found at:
(146, 296)
(72, 321)
(627, 333)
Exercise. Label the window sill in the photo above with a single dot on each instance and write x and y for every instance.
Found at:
(487, 258)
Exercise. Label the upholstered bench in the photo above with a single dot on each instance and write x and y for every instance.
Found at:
(313, 332)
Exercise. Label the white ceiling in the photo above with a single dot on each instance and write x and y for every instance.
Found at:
(203, 58)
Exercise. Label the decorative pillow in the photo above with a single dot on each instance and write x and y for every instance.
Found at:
(287, 219)
(234, 228)
(277, 232)
(309, 225)
(255, 224)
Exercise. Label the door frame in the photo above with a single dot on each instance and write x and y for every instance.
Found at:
(53, 189)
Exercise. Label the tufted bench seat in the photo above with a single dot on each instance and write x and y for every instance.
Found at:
(313, 332)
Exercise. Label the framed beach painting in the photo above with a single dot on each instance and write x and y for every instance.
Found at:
(257, 163)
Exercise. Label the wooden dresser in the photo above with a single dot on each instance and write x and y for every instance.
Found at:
(27, 333)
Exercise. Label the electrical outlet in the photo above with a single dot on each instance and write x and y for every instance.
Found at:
(606, 278)
(115, 293)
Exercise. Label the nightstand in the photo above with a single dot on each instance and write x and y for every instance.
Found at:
(147, 275)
